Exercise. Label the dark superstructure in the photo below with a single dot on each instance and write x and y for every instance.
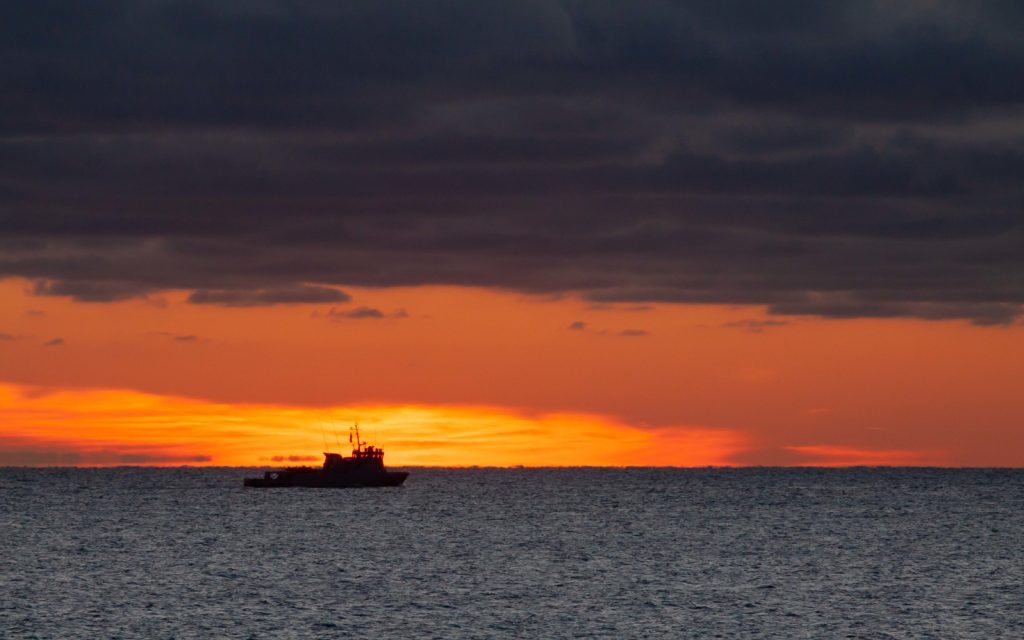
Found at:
(364, 468)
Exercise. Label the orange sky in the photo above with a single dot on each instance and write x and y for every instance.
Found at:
(468, 376)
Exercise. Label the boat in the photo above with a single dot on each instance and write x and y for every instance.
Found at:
(364, 468)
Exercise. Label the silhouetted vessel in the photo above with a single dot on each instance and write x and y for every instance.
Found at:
(364, 468)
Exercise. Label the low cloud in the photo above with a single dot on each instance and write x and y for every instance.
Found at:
(826, 455)
(581, 326)
(91, 290)
(176, 337)
(754, 326)
(634, 308)
(291, 458)
(17, 454)
(56, 342)
(358, 313)
(845, 306)
(634, 333)
(154, 458)
(304, 294)
(362, 313)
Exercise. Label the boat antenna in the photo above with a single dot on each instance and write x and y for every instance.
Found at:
(355, 429)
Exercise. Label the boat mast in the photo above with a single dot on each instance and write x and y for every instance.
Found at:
(359, 443)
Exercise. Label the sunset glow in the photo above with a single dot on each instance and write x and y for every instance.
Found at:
(105, 428)
(470, 377)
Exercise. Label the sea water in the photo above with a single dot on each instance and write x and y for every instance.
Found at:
(515, 553)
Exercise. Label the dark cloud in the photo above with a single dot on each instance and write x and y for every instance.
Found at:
(613, 307)
(754, 326)
(56, 342)
(769, 457)
(152, 458)
(362, 313)
(285, 295)
(291, 458)
(816, 158)
(176, 337)
(626, 333)
(981, 314)
(90, 290)
(7, 337)
(359, 313)
(634, 333)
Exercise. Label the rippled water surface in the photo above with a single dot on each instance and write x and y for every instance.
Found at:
(525, 553)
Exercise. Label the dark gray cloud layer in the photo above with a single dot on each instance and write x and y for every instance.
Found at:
(298, 294)
(836, 159)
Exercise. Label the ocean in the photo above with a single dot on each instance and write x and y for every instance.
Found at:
(515, 553)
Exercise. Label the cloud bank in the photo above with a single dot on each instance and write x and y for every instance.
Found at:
(819, 158)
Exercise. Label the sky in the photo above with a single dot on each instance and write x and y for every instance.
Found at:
(526, 232)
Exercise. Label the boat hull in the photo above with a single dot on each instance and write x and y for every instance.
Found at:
(317, 478)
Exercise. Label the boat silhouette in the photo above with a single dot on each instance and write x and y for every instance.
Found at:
(364, 468)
